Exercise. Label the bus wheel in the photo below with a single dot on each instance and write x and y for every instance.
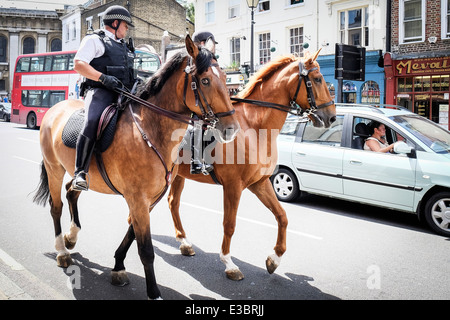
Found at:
(32, 121)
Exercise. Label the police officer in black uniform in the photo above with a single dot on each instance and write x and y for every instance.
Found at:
(198, 164)
(106, 62)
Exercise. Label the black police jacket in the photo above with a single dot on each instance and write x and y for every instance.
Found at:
(117, 61)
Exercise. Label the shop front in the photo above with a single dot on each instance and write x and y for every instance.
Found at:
(371, 90)
(420, 84)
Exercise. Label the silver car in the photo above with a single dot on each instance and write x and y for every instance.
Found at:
(332, 162)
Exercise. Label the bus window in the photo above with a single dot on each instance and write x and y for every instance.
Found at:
(71, 56)
(48, 63)
(55, 97)
(59, 62)
(23, 65)
(37, 64)
(146, 63)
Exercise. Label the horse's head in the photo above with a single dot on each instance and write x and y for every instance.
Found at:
(310, 91)
(207, 95)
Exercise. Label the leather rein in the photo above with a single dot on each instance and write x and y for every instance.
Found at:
(293, 107)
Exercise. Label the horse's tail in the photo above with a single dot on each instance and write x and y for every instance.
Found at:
(42, 194)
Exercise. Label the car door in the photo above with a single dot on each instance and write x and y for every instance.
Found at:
(318, 158)
(379, 178)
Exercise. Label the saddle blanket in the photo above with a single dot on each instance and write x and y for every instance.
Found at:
(75, 124)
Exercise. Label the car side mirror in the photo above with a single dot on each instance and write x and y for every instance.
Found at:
(401, 147)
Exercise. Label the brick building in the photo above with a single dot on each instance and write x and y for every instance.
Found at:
(417, 62)
(151, 19)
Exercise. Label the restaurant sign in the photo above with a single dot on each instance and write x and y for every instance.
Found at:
(422, 66)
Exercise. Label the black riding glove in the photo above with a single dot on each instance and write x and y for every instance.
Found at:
(110, 82)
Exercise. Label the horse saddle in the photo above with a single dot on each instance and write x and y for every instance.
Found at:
(105, 132)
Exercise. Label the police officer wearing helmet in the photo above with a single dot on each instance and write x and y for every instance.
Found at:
(106, 63)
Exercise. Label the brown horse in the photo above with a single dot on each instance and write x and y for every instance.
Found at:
(140, 160)
(278, 84)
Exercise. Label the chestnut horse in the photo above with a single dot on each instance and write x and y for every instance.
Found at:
(276, 85)
(140, 160)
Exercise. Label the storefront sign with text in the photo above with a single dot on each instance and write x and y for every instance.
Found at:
(422, 66)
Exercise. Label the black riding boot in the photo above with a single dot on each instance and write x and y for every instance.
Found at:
(198, 165)
(85, 147)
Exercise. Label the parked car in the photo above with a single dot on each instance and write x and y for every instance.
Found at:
(5, 111)
(331, 162)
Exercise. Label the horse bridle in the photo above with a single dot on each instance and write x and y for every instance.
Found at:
(208, 115)
(293, 107)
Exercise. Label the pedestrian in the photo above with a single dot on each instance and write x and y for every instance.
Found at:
(106, 63)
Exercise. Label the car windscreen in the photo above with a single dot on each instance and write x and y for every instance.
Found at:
(431, 134)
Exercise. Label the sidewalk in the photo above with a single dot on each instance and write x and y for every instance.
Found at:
(17, 283)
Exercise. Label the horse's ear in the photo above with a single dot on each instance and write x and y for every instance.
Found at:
(191, 48)
(310, 58)
(316, 54)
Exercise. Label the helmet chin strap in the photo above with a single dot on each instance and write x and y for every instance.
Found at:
(116, 28)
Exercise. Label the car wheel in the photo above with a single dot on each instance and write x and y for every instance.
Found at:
(285, 185)
(31, 121)
(437, 213)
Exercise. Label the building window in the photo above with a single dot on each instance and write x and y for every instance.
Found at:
(292, 2)
(445, 19)
(89, 27)
(354, 27)
(296, 41)
(74, 30)
(264, 48)
(100, 20)
(412, 20)
(370, 92)
(3, 48)
(264, 5)
(210, 9)
(56, 45)
(233, 8)
(28, 45)
(235, 52)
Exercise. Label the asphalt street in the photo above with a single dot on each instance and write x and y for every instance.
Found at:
(337, 250)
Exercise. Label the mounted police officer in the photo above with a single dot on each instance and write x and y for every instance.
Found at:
(106, 62)
(198, 164)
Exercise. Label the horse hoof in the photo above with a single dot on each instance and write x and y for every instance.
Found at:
(119, 278)
(187, 250)
(68, 244)
(63, 260)
(271, 265)
(234, 274)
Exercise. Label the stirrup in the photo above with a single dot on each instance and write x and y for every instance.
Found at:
(207, 168)
(80, 183)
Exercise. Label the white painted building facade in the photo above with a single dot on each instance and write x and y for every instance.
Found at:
(286, 26)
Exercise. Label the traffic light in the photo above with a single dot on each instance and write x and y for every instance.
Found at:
(350, 62)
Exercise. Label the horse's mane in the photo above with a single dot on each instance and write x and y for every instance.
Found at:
(265, 72)
(154, 85)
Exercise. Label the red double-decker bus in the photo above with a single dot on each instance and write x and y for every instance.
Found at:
(40, 81)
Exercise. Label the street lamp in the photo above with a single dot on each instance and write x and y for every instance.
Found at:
(252, 4)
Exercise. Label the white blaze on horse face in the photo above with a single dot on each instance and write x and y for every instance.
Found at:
(216, 72)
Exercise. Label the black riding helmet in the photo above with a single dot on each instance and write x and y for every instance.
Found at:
(117, 13)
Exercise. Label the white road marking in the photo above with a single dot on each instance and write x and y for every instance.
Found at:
(303, 234)
(28, 160)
